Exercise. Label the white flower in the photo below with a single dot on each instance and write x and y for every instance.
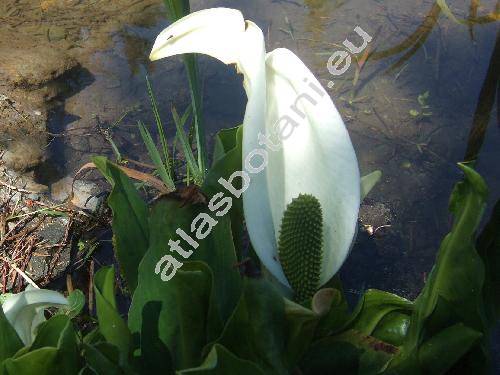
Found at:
(24, 310)
(315, 156)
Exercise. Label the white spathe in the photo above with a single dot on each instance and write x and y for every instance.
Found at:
(25, 310)
(317, 158)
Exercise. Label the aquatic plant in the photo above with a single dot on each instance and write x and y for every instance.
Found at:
(25, 310)
(222, 314)
(292, 116)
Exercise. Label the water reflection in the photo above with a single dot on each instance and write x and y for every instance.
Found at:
(408, 105)
(486, 102)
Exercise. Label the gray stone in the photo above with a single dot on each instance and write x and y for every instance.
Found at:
(83, 194)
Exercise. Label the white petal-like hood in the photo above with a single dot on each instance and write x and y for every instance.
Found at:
(317, 158)
(24, 310)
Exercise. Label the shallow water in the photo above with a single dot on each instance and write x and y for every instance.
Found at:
(415, 147)
(415, 141)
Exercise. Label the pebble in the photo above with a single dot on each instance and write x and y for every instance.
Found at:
(84, 193)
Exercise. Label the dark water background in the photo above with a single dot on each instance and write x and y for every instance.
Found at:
(416, 153)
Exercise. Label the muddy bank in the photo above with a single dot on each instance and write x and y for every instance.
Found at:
(44, 48)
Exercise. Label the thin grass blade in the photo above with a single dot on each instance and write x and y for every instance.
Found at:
(186, 148)
(155, 156)
(159, 126)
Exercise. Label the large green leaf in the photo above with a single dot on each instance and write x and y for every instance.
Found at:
(216, 250)
(10, 342)
(111, 325)
(200, 295)
(102, 358)
(374, 306)
(130, 220)
(227, 159)
(221, 361)
(76, 303)
(350, 352)
(154, 355)
(438, 354)
(300, 327)
(453, 292)
(257, 329)
(42, 361)
(331, 356)
(488, 247)
(393, 328)
(58, 332)
(185, 309)
(225, 140)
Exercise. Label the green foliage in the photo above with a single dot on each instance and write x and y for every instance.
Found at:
(300, 245)
(154, 154)
(453, 295)
(76, 302)
(111, 325)
(208, 318)
(368, 182)
(177, 9)
(130, 229)
(192, 166)
(10, 342)
(167, 161)
(222, 361)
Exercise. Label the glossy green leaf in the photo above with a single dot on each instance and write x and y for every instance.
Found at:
(76, 303)
(185, 315)
(58, 332)
(227, 159)
(373, 307)
(154, 355)
(43, 361)
(197, 299)
(10, 342)
(49, 332)
(111, 325)
(488, 247)
(102, 358)
(225, 140)
(221, 361)
(393, 328)
(130, 220)
(331, 356)
(216, 250)
(257, 329)
(438, 354)
(300, 327)
(454, 291)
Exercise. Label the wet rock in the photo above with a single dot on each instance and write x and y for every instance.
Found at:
(55, 260)
(22, 181)
(34, 67)
(24, 154)
(83, 194)
(60, 191)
